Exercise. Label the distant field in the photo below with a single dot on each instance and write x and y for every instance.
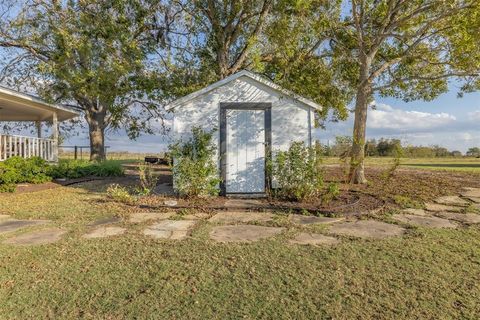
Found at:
(449, 164)
(113, 155)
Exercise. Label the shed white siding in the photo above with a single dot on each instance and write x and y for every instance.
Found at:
(291, 119)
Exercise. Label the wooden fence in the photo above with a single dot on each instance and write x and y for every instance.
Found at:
(26, 147)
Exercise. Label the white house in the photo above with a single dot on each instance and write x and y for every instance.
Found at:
(252, 117)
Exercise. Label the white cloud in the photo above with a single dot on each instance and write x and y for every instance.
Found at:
(384, 116)
(474, 116)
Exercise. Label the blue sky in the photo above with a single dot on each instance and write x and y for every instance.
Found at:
(446, 121)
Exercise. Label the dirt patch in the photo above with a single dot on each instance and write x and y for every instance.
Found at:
(27, 187)
(419, 185)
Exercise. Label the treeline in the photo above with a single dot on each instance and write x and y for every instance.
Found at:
(393, 148)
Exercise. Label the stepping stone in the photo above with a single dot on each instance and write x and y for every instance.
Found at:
(139, 217)
(14, 224)
(45, 236)
(170, 229)
(474, 199)
(103, 232)
(314, 239)
(461, 217)
(170, 203)
(430, 222)
(417, 212)
(104, 221)
(367, 229)
(471, 192)
(451, 200)
(243, 233)
(307, 220)
(441, 207)
(241, 216)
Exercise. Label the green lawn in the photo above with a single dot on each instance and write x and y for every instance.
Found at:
(424, 274)
(447, 164)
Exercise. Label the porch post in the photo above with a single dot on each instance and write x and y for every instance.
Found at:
(38, 124)
(55, 136)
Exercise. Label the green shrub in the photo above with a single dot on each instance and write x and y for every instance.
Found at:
(297, 172)
(147, 180)
(16, 170)
(331, 193)
(31, 170)
(73, 169)
(195, 173)
(120, 194)
(19, 170)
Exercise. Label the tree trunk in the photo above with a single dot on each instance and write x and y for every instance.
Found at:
(96, 128)
(357, 170)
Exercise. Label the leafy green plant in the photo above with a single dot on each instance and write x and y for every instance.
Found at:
(195, 173)
(19, 170)
(120, 194)
(31, 170)
(148, 180)
(73, 169)
(398, 154)
(297, 173)
(331, 193)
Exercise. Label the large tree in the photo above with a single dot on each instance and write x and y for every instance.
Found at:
(407, 49)
(92, 54)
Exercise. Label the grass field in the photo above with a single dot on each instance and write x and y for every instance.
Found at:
(425, 274)
(448, 164)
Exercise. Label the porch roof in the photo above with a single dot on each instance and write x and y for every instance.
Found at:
(16, 106)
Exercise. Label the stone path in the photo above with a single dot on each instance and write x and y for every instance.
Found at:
(443, 212)
(367, 229)
(424, 221)
(139, 217)
(243, 233)
(104, 231)
(241, 216)
(314, 239)
(470, 192)
(44, 236)
(417, 212)
(308, 220)
(461, 217)
(435, 207)
(170, 229)
(9, 225)
(452, 201)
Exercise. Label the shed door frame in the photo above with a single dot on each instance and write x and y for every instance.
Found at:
(224, 106)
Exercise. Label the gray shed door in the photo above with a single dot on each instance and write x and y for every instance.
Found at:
(245, 163)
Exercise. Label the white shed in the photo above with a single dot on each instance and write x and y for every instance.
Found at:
(252, 117)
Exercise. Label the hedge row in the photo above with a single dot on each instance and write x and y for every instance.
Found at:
(36, 170)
